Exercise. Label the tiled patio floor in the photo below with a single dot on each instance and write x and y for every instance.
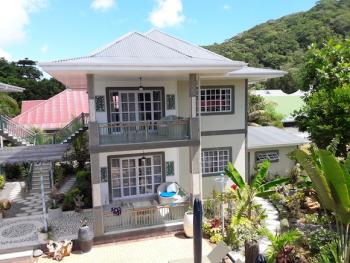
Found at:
(158, 250)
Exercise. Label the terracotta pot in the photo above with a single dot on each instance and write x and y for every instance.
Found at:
(188, 224)
(42, 237)
(54, 213)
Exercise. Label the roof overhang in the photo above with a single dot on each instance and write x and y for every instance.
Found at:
(256, 74)
(10, 88)
(274, 146)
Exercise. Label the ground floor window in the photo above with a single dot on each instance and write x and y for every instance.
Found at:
(214, 161)
(133, 176)
(272, 156)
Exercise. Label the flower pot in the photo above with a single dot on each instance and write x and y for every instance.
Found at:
(55, 212)
(85, 239)
(42, 237)
(188, 224)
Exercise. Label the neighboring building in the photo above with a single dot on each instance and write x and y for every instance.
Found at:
(54, 113)
(10, 88)
(274, 144)
(146, 126)
(286, 104)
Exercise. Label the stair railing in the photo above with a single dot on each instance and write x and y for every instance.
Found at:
(16, 131)
(30, 177)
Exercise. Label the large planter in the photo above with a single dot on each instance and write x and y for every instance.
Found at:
(188, 224)
(85, 239)
(54, 212)
(42, 237)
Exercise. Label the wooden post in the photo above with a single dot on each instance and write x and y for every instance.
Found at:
(251, 251)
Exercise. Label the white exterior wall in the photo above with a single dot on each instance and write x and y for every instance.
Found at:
(171, 154)
(281, 168)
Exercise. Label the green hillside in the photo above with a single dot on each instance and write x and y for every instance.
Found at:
(281, 43)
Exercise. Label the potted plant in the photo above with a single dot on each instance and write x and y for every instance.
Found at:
(188, 222)
(5, 204)
(54, 210)
(44, 234)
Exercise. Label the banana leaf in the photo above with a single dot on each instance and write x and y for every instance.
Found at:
(261, 174)
(234, 175)
(273, 183)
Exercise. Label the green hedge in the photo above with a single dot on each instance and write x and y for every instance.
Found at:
(2, 181)
(68, 202)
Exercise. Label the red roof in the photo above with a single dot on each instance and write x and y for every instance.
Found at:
(28, 104)
(54, 113)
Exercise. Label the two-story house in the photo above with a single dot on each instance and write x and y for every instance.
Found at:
(161, 110)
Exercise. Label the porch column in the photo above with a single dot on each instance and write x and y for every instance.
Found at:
(195, 150)
(97, 208)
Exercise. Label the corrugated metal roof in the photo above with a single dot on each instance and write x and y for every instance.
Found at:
(25, 154)
(269, 136)
(256, 73)
(153, 49)
(28, 104)
(10, 88)
(56, 112)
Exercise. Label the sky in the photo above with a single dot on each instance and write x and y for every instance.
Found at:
(45, 30)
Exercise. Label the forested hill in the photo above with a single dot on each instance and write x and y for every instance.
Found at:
(282, 43)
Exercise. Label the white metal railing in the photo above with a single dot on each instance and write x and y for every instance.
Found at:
(131, 218)
(134, 132)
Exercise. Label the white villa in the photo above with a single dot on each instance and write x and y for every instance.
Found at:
(161, 110)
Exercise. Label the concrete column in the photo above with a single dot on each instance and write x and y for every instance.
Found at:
(246, 159)
(97, 207)
(195, 151)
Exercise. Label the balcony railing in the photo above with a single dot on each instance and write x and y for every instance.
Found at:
(138, 132)
(142, 217)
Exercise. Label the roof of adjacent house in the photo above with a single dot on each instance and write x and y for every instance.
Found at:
(28, 104)
(10, 88)
(153, 48)
(256, 74)
(54, 113)
(272, 137)
(286, 104)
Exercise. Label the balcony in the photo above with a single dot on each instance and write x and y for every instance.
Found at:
(144, 132)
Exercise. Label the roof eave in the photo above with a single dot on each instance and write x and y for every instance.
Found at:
(257, 147)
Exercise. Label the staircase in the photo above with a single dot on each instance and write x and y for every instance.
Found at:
(21, 136)
(15, 133)
(41, 169)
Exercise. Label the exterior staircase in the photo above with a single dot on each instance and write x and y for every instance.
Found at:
(15, 133)
(45, 170)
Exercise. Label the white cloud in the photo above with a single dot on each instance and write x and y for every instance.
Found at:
(14, 18)
(44, 48)
(226, 7)
(102, 5)
(5, 54)
(167, 13)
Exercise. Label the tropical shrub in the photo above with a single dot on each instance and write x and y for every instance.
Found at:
(331, 180)
(15, 171)
(2, 181)
(83, 183)
(68, 201)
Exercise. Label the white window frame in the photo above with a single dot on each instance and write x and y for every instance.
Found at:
(272, 156)
(215, 105)
(216, 165)
(137, 177)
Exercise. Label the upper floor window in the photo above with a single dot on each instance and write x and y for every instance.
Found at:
(214, 161)
(215, 100)
(272, 156)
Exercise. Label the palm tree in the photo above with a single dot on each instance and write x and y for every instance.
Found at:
(331, 180)
(8, 105)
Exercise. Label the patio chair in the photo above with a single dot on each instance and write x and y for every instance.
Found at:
(169, 196)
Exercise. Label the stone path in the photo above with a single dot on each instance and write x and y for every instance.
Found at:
(11, 190)
(22, 232)
(272, 222)
(26, 204)
(68, 185)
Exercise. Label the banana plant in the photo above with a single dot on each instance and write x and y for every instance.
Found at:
(331, 180)
(261, 187)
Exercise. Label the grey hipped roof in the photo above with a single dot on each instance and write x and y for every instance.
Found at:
(154, 48)
(272, 137)
(24, 154)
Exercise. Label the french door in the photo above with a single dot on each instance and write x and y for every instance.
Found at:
(135, 106)
(135, 176)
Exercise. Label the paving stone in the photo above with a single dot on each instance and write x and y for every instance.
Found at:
(37, 252)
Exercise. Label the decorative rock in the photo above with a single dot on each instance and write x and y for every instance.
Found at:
(37, 253)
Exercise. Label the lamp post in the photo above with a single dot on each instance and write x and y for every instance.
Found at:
(222, 182)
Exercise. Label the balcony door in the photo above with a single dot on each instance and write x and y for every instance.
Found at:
(135, 176)
(135, 106)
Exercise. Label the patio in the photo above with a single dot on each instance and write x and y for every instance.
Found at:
(155, 250)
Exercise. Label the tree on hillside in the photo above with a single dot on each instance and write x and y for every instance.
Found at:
(8, 105)
(25, 74)
(326, 114)
(282, 43)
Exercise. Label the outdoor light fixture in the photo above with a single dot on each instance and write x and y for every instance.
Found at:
(143, 158)
(140, 87)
